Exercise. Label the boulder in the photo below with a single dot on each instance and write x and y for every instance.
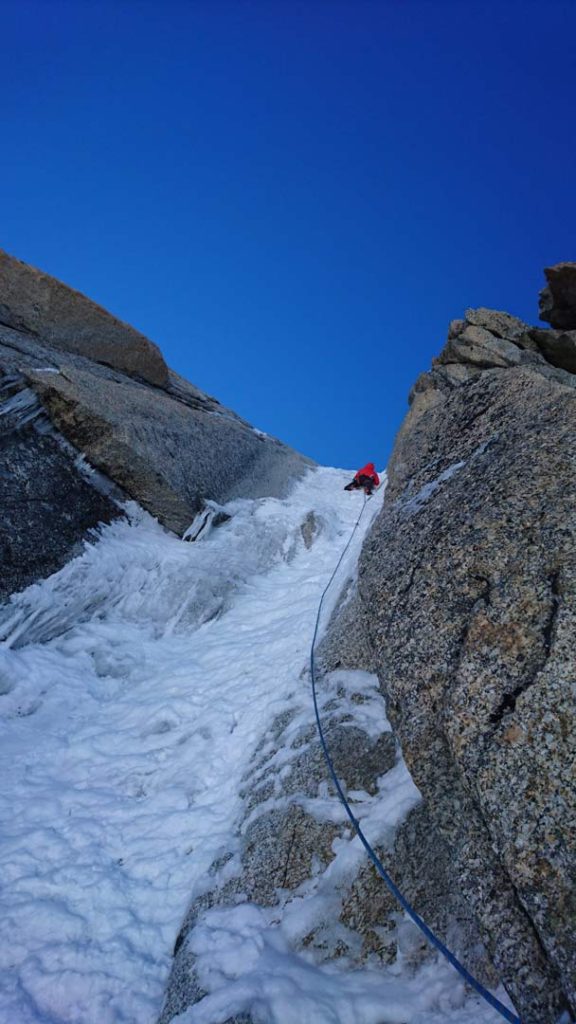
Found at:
(503, 325)
(558, 347)
(35, 303)
(558, 298)
(479, 347)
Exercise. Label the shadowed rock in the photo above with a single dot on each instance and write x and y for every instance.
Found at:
(558, 347)
(47, 504)
(558, 298)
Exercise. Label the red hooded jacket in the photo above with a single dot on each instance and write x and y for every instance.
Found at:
(368, 470)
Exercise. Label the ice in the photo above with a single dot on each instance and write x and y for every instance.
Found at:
(136, 686)
(23, 406)
(419, 500)
(425, 492)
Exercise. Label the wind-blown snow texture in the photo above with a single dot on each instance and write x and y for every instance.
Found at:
(135, 685)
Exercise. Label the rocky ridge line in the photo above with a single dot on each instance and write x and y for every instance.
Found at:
(33, 303)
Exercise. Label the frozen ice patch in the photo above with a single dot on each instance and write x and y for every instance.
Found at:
(413, 505)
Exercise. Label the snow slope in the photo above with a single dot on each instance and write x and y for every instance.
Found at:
(135, 686)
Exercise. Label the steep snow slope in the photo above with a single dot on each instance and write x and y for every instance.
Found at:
(135, 685)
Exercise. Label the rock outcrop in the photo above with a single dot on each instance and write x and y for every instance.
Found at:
(468, 588)
(106, 391)
(558, 298)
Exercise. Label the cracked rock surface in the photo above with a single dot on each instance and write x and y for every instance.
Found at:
(468, 585)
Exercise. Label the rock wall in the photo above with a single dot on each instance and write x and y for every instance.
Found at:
(468, 588)
(107, 392)
(36, 304)
(48, 502)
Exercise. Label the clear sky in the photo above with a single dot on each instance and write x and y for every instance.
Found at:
(293, 198)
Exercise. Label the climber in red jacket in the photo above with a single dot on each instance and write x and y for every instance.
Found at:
(366, 478)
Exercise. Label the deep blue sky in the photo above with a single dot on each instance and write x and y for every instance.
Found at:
(292, 198)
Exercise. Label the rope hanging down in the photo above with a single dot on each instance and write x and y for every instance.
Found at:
(432, 938)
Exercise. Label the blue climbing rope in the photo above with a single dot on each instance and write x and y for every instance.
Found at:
(432, 938)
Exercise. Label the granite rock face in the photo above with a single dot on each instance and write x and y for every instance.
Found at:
(107, 392)
(558, 298)
(39, 305)
(168, 454)
(468, 588)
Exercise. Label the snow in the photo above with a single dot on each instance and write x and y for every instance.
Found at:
(135, 687)
(247, 965)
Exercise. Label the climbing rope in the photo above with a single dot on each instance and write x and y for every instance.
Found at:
(432, 938)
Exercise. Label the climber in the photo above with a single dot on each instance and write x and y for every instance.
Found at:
(366, 478)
